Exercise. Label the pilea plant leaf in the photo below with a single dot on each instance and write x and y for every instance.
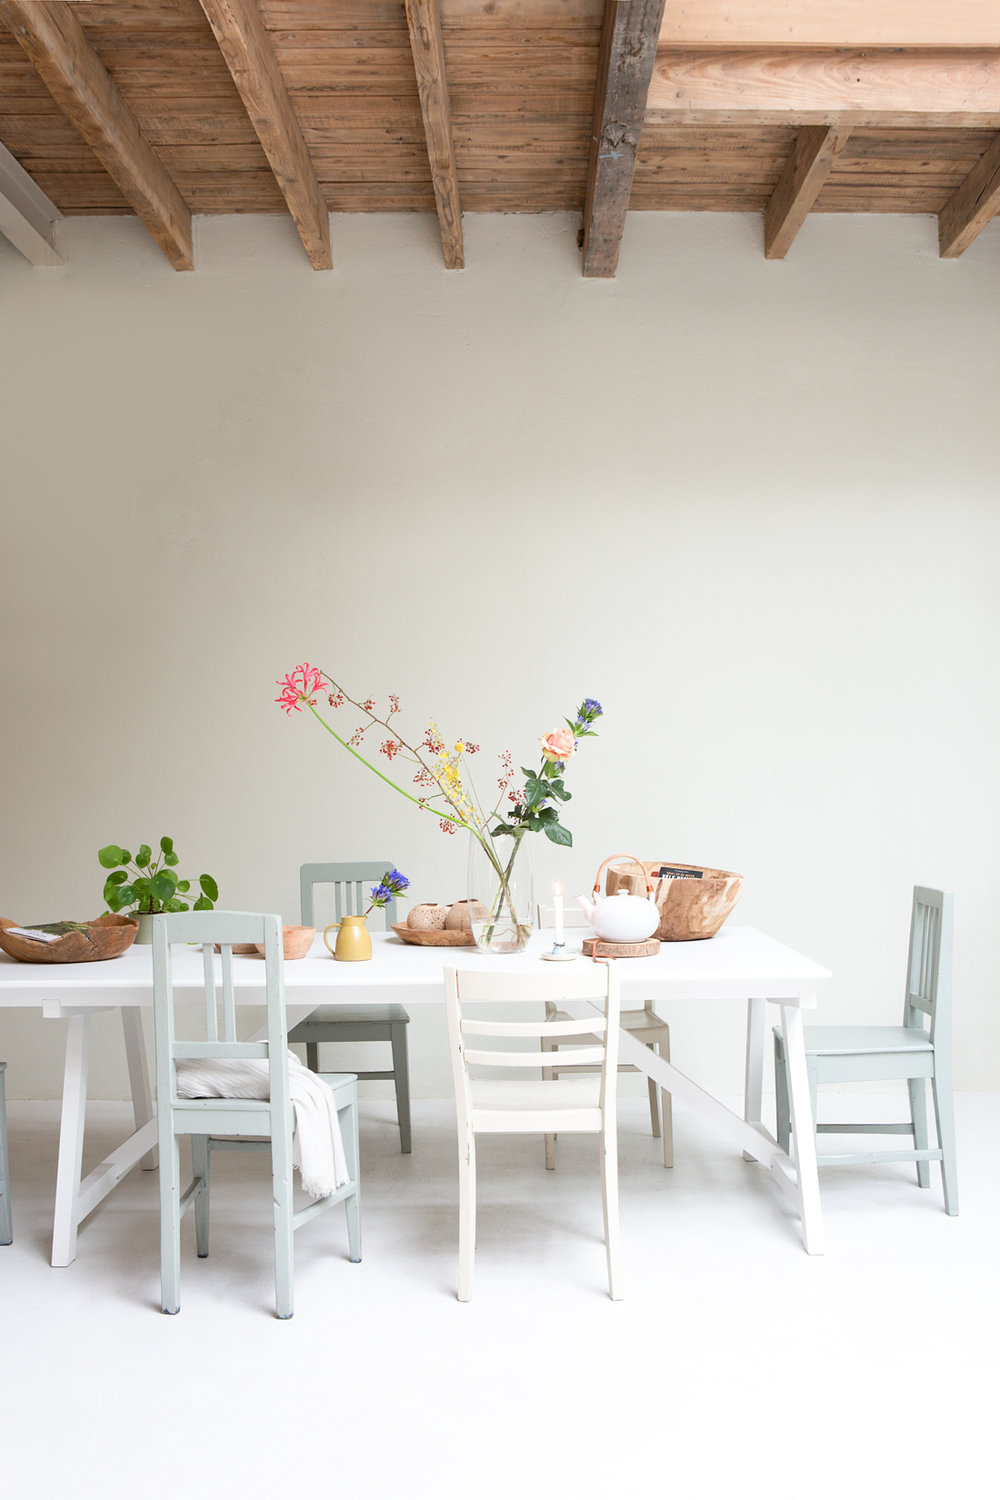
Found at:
(152, 885)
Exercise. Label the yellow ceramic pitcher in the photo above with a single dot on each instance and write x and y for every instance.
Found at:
(353, 940)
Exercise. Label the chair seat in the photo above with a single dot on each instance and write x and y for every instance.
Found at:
(857, 1041)
(338, 1015)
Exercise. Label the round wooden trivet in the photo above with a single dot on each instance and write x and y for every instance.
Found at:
(597, 948)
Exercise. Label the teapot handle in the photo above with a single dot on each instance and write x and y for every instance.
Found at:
(597, 877)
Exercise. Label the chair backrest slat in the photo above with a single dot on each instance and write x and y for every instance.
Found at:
(228, 997)
(928, 978)
(555, 1029)
(351, 881)
(577, 1057)
(573, 916)
(211, 1008)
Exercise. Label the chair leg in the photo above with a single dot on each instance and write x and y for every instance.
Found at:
(667, 1110)
(783, 1129)
(609, 1193)
(547, 1075)
(349, 1120)
(170, 1224)
(466, 1215)
(281, 1178)
(944, 1116)
(813, 1072)
(917, 1090)
(654, 1103)
(6, 1217)
(401, 1068)
(201, 1155)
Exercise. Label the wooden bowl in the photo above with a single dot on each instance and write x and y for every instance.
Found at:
(105, 937)
(689, 909)
(423, 937)
(296, 942)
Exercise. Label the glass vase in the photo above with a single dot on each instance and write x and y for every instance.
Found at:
(501, 894)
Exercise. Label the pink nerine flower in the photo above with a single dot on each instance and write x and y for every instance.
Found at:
(298, 687)
(558, 744)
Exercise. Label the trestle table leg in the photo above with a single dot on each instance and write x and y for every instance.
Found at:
(70, 1165)
(803, 1129)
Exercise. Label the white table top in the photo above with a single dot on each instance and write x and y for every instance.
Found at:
(740, 962)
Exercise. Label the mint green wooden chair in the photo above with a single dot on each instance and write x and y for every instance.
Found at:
(246, 1120)
(352, 882)
(6, 1218)
(914, 1051)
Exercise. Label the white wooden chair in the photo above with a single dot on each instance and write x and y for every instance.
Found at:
(584, 1103)
(645, 1025)
(855, 1054)
(351, 882)
(6, 1218)
(246, 1120)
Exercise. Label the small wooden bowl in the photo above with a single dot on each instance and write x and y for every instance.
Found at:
(107, 936)
(296, 942)
(423, 937)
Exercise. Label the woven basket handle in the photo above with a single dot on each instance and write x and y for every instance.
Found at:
(597, 877)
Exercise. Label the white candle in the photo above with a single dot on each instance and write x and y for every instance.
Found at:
(557, 910)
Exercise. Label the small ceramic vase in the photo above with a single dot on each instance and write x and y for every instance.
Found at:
(353, 941)
(429, 916)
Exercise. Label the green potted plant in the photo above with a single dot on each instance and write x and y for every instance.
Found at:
(148, 884)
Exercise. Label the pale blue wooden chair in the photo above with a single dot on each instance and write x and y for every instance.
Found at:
(914, 1051)
(6, 1218)
(257, 1124)
(352, 882)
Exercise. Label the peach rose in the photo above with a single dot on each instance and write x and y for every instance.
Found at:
(558, 744)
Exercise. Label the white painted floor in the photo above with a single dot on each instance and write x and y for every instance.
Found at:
(737, 1365)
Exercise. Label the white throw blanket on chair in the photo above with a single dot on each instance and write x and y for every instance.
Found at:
(318, 1147)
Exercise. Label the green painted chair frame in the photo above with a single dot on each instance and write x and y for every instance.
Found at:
(256, 1124)
(914, 1051)
(344, 1023)
(6, 1217)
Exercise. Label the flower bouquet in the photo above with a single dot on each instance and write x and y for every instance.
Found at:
(440, 776)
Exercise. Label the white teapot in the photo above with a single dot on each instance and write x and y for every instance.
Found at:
(621, 918)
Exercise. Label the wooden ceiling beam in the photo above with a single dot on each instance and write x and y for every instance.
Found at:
(80, 84)
(895, 88)
(971, 207)
(248, 54)
(26, 214)
(423, 17)
(835, 23)
(816, 149)
(628, 51)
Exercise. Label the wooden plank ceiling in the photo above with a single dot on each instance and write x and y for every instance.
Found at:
(170, 108)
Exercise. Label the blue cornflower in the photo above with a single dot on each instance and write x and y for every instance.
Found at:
(392, 884)
(590, 709)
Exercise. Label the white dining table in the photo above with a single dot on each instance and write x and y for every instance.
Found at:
(739, 964)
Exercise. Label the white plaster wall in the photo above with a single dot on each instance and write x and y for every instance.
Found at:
(751, 507)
